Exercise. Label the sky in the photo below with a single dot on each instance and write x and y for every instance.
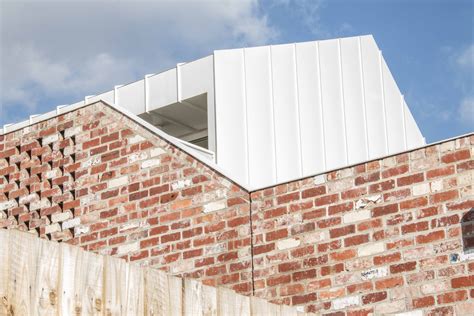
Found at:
(57, 52)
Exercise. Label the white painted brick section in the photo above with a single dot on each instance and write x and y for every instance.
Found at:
(137, 156)
(389, 307)
(71, 223)
(215, 206)
(150, 163)
(371, 249)
(50, 139)
(215, 249)
(72, 131)
(421, 189)
(437, 186)
(287, 243)
(356, 216)
(127, 248)
(52, 228)
(118, 182)
(61, 217)
(91, 162)
(135, 139)
(374, 273)
(345, 302)
(181, 184)
(79, 230)
(319, 179)
(157, 152)
(7, 204)
(411, 313)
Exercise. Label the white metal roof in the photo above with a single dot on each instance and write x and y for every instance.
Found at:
(277, 113)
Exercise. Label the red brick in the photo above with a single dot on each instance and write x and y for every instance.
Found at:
(440, 172)
(464, 166)
(325, 200)
(456, 156)
(303, 299)
(444, 196)
(312, 192)
(371, 177)
(423, 302)
(414, 203)
(303, 275)
(403, 267)
(415, 227)
(465, 281)
(342, 231)
(384, 210)
(389, 283)
(343, 255)
(340, 208)
(360, 287)
(356, 240)
(395, 171)
(384, 259)
(374, 297)
(277, 280)
(431, 237)
(278, 234)
(288, 198)
(415, 178)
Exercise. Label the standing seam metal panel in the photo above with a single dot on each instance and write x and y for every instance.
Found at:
(373, 97)
(332, 104)
(353, 101)
(231, 129)
(286, 113)
(309, 96)
(262, 165)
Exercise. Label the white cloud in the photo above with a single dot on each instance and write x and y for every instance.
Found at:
(68, 49)
(466, 111)
(466, 58)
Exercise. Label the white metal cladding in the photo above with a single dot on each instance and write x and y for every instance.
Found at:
(282, 112)
(288, 111)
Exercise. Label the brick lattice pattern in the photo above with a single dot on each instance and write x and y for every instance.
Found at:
(387, 236)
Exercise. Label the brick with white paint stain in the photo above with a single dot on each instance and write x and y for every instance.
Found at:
(421, 189)
(128, 248)
(117, 182)
(374, 273)
(345, 302)
(150, 163)
(288, 243)
(49, 229)
(371, 249)
(60, 217)
(356, 216)
(215, 206)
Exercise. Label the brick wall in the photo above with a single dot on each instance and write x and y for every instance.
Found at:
(382, 237)
(97, 179)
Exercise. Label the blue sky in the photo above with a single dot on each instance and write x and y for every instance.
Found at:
(55, 52)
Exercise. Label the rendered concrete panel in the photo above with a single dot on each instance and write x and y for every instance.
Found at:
(309, 97)
(286, 112)
(332, 104)
(261, 144)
